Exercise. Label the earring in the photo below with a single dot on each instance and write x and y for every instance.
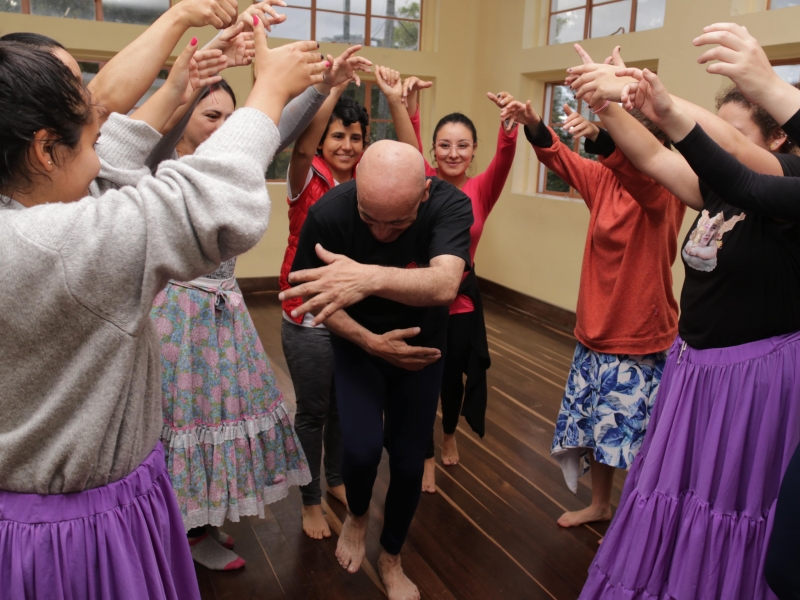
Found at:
(49, 163)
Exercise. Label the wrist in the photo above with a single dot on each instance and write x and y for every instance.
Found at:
(179, 16)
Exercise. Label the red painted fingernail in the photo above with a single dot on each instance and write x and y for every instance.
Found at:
(255, 20)
(194, 41)
(327, 63)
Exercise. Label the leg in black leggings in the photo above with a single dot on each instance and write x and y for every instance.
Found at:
(456, 361)
(365, 386)
(782, 567)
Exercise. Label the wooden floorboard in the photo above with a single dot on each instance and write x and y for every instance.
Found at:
(490, 531)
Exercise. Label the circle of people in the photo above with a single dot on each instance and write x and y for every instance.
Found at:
(141, 412)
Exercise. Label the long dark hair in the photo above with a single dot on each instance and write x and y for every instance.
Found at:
(220, 85)
(348, 111)
(37, 91)
(33, 40)
(456, 117)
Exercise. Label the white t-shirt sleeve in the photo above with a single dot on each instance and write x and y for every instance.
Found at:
(305, 185)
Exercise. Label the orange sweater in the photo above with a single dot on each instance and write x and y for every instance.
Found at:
(625, 302)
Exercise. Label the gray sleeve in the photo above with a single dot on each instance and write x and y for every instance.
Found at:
(118, 251)
(297, 116)
(123, 148)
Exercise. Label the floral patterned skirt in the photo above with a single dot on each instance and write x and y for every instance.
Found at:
(229, 442)
(605, 410)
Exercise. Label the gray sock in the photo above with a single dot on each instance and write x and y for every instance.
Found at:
(207, 552)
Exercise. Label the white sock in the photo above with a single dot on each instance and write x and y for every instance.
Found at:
(207, 552)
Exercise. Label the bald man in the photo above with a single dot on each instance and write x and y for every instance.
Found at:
(379, 261)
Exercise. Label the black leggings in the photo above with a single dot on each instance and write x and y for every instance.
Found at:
(456, 361)
(782, 567)
(366, 387)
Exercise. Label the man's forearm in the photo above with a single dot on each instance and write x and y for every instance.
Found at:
(345, 326)
(431, 286)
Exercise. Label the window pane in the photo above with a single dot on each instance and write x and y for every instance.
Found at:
(561, 95)
(611, 18)
(382, 130)
(356, 6)
(280, 165)
(72, 9)
(10, 6)
(789, 73)
(379, 105)
(558, 5)
(335, 27)
(783, 3)
(297, 25)
(389, 33)
(407, 9)
(355, 92)
(294, 3)
(650, 14)
(141, 12)
(567, 26)
(554, 183)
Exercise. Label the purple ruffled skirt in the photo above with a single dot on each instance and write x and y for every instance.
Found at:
(698, 505)
(123, 540)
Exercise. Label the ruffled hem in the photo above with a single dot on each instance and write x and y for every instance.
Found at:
(247, 507)
(663, 547)
(204, 434)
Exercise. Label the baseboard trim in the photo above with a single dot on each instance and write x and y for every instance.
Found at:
(540, 310)
(249, 285)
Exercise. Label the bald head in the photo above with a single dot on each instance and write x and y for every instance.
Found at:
(391, 185)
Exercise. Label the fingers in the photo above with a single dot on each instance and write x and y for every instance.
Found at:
(185, 57)
(720, 53)
(728, 31)
(304, 46)
(568, 109)
(630, 72)
(328, 257)
(583, 54)
(259, 39)
(403, 334)
(617, 57)
(350, 51)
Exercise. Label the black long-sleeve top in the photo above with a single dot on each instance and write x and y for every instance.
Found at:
(742, 255)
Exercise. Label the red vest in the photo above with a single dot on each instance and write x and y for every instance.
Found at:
(321, 182)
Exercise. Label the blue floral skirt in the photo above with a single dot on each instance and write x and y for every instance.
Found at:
(605, 410)
(230, 445)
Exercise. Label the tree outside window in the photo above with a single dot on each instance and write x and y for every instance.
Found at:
(575, 20)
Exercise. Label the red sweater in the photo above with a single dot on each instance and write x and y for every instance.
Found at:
(625, 302)
(483, 190)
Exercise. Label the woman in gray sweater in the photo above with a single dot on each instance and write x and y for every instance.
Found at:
(86, 506)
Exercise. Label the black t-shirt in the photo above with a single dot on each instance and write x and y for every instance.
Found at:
(442, 227)
(742, 264)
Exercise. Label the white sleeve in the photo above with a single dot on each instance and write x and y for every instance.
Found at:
(305, 185)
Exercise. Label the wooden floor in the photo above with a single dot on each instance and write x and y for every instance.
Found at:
(490, 531)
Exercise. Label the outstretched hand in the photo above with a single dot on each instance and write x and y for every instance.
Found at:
(412, 85)
(392, 348)
(521, 113)
(389, 82)
(577, 126)
(502, 100)
(199, 13)
(236, 44)
(595, 82)
(267, 15)
(193, 70)
(339, 284)
(344, 68)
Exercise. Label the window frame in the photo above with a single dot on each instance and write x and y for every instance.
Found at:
(367, 15)
(587, 24)
(98, 10)
(541, 174)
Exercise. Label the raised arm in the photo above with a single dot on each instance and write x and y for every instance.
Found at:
(391, 85)
(492, 181)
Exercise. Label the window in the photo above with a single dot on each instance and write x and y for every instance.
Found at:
(556, 95)
(382, 23)
(788, 70)
(773, 4)
(141, 12)
(575, 20)
(381, 126)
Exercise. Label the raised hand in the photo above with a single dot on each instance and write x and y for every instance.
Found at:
(199, 13)
(267, 15)
(390, 83)
(577, 126)
(392, 348)
(344, 68)
(594, 82)
(502, 100)
(411, 86)
(193, 70)
(282, 73)
(236, 45)
(521, 113)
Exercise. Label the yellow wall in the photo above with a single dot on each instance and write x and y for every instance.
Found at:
(532, 243)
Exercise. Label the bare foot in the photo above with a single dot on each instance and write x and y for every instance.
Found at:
(314, 524)
(590, 514)
(398, 586)
(351, 549)
(338, 493)
(429, 476)
(449, 450)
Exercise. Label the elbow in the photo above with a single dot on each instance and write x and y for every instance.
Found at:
(448, 293)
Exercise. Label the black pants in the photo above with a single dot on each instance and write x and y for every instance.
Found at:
(366, 387)
(782, 567)
(309, 355)
(456, 361)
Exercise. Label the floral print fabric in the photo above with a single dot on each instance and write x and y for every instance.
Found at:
(230, 445)
(605, 409)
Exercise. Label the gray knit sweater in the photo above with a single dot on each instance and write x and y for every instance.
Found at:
(80, 397)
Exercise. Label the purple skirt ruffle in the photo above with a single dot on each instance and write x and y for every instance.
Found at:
(123, 540)
(696, 513)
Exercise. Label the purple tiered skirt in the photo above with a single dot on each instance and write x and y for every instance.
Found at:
(696, 513)
(123, 540)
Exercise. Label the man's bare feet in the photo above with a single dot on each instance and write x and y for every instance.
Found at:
(590, 514)
(398, 586)
(429, 476)
(351, 549)
(314, 524)
(449, 450)
(338, 493)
